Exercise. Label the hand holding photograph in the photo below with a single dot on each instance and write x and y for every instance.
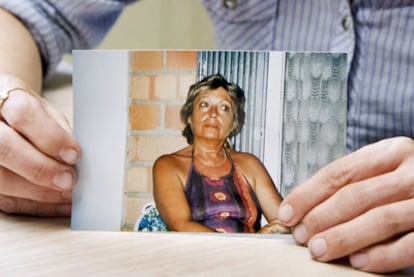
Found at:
(201, 141)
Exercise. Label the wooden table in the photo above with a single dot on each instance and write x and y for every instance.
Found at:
(47, 247)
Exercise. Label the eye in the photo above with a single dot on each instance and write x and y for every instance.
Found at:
(225, 108)
(203, 104)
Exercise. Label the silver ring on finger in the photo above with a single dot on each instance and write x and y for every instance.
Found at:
(5, 94)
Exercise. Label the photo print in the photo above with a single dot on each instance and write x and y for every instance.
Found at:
(127, 113)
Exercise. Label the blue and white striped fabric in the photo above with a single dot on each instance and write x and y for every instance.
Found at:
(377, 35)
(59, 26)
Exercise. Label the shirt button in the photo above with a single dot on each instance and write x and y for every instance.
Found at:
(230, 4)
(346, 22)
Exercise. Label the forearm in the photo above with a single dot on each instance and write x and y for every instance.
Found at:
(19, 55)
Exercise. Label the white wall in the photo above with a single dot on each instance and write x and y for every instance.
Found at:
(161, 24)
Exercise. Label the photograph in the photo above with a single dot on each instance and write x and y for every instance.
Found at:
(201, 140)
(183, 137)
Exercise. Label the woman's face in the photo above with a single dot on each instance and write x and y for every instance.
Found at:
(213, 115)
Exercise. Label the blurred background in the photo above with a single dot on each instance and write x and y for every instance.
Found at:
(160, 24)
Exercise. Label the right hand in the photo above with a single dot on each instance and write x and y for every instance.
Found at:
(37, 154)
(360, 206)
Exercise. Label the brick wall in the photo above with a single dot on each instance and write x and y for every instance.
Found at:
(159, 82)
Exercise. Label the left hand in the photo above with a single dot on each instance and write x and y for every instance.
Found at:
(37, 153)
(360, 206)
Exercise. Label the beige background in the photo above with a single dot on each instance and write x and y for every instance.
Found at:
(160, 24)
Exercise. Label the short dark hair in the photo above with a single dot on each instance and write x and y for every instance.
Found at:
(210, 83)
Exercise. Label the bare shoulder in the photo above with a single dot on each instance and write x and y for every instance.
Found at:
(245, 159)
(251, 167)
(174, 161)
(248, 163)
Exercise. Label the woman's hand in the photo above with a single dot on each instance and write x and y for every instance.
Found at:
(360, 206)
(37, 154)
(274, 227)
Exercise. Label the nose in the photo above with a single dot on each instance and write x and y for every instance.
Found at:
(213, 112)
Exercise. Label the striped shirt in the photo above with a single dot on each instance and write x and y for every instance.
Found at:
(58, 26)
(377, 35)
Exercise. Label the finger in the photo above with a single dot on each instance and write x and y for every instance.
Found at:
(377, 225)
(20, 157)
(355, 199)
(28, 116)
(18, 187)
(386, 257)
(57, 115)
(11, 205)
(349, 169)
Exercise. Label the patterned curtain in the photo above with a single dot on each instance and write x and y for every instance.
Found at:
(314, 116)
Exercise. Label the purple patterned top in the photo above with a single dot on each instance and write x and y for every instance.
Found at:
(227, 204)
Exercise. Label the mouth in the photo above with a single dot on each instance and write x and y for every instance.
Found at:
(211, 125)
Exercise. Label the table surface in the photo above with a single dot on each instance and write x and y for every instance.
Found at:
(42, 246)
(48, 247)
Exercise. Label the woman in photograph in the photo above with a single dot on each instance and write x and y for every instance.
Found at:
(207, 186)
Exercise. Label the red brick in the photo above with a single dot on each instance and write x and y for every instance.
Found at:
(184, 83)
(146, 60)
(144, 117)
(140, 87)
(172, 117)
(165, 87)
(139, 179)
(181, 60)
(149, 148)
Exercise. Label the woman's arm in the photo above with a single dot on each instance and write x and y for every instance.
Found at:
(262, 183)
(19, 54)
(170, 197)
(266, 192)
(59, 26)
